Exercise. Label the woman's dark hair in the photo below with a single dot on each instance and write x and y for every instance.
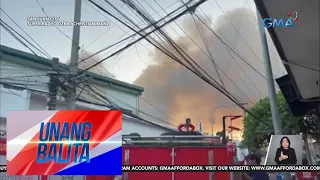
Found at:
(285, 137)
(254, 157)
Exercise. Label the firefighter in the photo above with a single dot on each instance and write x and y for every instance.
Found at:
(187, 126)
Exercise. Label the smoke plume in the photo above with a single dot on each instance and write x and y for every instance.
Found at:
(99, 69)
(179, 93)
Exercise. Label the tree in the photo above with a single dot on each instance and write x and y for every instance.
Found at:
(257, 133)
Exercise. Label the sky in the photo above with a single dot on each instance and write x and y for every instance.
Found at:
(58, 44)
(139, 63)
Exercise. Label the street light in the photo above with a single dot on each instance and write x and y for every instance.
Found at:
(213, 110)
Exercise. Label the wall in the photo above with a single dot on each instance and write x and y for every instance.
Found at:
(11, 99)
(37, 79)
(130, 125)
(125, 100)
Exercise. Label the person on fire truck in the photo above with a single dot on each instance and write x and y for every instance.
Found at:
(187, 126)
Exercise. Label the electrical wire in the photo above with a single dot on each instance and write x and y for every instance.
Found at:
(230, 48)
(230, 97)
(139, 56)
(209, 57)
(44, 12)
(127, 38)
(119, 57)
(145, 100)
(98, 37)
(234, 27)
(299, 65)
(206, 44)
(64, 34)
(125, 32)
(46, 53)
(167, 38)
(142, 36)
(20, 41)
(208, 50)
(221, 40)
(178, 50)
(4, 26)
(163, 9)
(130, 106)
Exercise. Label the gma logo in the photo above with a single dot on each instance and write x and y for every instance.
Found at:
(269, 22)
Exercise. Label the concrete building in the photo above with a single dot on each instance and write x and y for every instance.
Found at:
(24, 86)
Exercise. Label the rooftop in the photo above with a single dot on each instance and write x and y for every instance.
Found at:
(28, 59)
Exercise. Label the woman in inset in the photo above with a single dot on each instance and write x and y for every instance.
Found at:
(285, 154)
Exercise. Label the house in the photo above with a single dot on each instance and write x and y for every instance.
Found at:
(24, 86)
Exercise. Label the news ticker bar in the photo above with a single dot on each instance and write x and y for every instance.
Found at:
(213, 168)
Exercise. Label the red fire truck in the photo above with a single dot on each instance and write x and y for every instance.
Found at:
(177, 148)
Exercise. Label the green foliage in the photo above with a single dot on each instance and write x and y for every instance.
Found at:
(256, 134)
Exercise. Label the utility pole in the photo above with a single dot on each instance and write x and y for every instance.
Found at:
(73, 67)
(272, 92)
(53, 84)
(213, 110)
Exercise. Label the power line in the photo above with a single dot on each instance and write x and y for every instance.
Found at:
(138, 54)
(130, 36)
(120, 56)
(237, 30)
(198, 72)
(170, 41)
(19, 40)
(299, 65)
(44, 12)
(64, 34)
(103, 104)
(5, 27)
(11, 31)
(230, 63)
(142, 36)
(211, 58)
(145, 100)
(229, 46)
(183, 54)
(208, 50)
(130, 106)
(46, 53)
(98, 37)
(125, 32)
